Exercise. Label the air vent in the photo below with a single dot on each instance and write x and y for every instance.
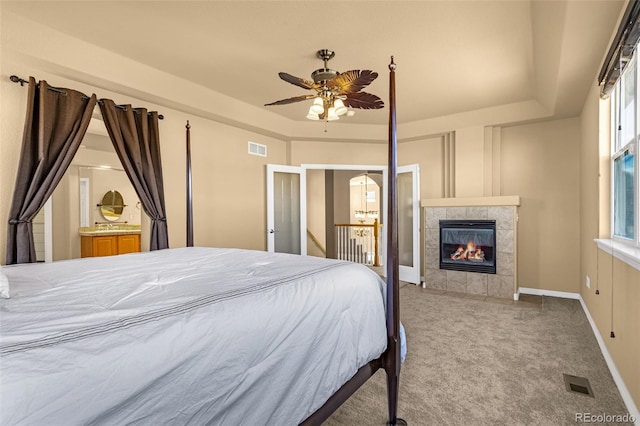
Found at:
(257, 149)
(577, 384)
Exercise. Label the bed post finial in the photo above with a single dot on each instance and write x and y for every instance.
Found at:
(392, 355)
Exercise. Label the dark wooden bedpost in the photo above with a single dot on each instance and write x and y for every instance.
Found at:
(189, 191)
(392, 359)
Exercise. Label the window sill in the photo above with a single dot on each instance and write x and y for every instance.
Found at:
(626, 253)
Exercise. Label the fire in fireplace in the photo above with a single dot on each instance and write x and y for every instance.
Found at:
(468, 245)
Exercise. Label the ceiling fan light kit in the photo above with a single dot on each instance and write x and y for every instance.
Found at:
(339, 106)
(317, 107)
(335, 92)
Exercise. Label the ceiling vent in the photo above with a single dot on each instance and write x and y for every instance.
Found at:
(257, 149)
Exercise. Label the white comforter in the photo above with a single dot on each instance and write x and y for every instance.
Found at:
(184, 336)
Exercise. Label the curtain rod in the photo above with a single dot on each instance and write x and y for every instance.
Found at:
(22, 81)
(621, 48)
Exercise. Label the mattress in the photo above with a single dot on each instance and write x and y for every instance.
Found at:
(184, 336)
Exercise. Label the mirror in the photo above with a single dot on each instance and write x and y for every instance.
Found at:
(112, 205)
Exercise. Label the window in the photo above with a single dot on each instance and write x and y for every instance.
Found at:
(625, 136)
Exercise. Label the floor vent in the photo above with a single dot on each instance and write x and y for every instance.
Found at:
(577, 384)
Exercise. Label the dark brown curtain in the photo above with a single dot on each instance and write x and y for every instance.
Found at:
(57, 120)
(134, 134)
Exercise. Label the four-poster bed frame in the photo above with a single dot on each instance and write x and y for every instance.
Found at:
(390, 359)
(81, 332)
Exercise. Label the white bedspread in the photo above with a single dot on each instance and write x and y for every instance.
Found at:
(184, 336)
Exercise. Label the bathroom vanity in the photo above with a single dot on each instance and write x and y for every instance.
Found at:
(110, 237)
(106, 242)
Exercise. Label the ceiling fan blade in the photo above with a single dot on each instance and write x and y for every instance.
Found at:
(297, 81)
(291, 100)
(363, 100)
(352, 81)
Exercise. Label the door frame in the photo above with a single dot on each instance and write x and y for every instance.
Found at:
(412, 274)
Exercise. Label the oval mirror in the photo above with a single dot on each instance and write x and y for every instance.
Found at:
(112, 205)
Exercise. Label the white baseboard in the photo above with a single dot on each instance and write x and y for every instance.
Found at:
(622, 388)
(552, 293)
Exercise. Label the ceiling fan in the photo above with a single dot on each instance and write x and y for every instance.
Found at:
(335, 92)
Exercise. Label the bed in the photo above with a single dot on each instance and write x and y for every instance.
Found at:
(136, 334)
(198, 335)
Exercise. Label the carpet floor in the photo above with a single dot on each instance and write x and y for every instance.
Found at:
(485, 361)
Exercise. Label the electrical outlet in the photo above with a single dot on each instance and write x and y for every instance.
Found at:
(588, 282)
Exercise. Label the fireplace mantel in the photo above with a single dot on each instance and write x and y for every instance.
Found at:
(506, 200)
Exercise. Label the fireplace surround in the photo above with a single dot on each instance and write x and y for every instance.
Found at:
(501, 209)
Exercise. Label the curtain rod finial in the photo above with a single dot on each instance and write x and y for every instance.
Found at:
(17, 79)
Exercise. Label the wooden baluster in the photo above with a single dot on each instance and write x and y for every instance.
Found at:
(351, 249)
(376, 237)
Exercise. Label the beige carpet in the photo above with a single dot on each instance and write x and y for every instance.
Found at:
(484, 361)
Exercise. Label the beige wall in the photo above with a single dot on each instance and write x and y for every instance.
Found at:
(66, 217)
(469, 162)
(428, 154)
(541, 163)
(353, 153)
(12, 99)
(228, 185)
(316, 217)
(617, 306)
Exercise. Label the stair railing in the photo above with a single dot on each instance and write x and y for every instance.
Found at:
(358, 242)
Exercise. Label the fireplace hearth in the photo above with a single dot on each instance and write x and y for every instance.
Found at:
(468, 245)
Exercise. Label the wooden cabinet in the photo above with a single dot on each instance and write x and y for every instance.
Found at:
(108, 245)
(129, 243)
(104, 245)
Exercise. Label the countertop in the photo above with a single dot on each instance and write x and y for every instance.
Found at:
(95, 231)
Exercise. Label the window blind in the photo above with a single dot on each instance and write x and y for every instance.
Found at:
(621, 49)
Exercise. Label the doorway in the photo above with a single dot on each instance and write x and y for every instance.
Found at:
(321, 207)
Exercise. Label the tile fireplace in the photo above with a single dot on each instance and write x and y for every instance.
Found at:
(484, 259)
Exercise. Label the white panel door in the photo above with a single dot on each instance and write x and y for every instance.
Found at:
(286, 209)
